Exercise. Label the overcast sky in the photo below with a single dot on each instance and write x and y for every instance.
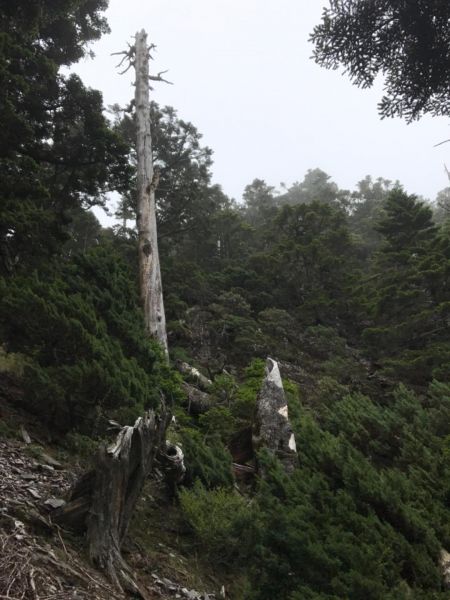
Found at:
(243, 76)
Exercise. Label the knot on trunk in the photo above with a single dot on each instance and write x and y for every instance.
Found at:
(147, 248)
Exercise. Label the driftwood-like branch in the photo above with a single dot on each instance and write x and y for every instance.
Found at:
(127, 53)
(194, 375)
(131, 64)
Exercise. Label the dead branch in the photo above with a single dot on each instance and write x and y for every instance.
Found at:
(159, 77)
(127, 55)
(58, 529)
(440, 143)
(447, 171)
(131, 64)
(149, 50)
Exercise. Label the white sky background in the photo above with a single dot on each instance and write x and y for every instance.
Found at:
(243, 76)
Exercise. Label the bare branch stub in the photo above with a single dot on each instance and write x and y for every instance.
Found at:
(149, 50)
(131, 64)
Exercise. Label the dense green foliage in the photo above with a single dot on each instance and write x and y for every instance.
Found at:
(349, 290)
(366, 513)
(69, 308)
(82, 333)
(407, 42)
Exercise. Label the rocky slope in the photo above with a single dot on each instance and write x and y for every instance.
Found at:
(41, 561)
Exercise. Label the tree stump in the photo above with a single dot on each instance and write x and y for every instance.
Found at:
(103, 500)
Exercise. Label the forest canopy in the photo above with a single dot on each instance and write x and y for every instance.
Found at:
(408, 43)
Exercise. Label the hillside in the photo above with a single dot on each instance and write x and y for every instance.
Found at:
(40, 559)
(293, 444)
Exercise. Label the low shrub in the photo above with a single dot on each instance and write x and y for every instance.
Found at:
(222, 520)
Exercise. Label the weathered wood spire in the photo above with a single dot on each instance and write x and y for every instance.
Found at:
(272, 429)
(147, 181)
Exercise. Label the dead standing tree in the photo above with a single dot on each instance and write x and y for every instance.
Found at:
(150, 285)
(147, 181)
(103, 500)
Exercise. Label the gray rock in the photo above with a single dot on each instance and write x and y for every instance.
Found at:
(50, 461)
(55, 503)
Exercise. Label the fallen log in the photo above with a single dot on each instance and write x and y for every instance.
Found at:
(243, 473)
(193, 375)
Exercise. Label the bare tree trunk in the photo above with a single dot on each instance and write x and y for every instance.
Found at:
(103, 500)
(149, 268)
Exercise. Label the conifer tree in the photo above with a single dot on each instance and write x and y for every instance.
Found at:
(407, 292)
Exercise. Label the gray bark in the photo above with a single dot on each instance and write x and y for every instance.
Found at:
(272, 429)
(149, 267)
(103, 500)
(444, 563)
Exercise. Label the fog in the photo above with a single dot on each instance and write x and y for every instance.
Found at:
(243, 75)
